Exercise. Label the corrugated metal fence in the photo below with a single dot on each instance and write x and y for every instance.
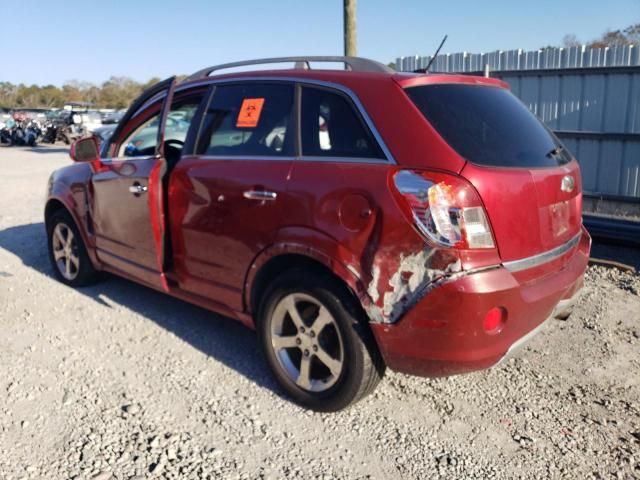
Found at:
(574, 57)
(590, 97)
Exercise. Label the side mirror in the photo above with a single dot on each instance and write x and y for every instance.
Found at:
(85, 150)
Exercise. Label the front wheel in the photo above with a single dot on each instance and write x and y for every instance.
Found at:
(319, 349)
(67, 252)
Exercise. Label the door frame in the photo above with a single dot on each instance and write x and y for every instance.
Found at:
(155, 194)
(140, 104)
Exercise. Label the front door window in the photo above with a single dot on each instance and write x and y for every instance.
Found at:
(142, 141)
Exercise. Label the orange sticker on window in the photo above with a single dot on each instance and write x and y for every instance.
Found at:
(249, 114)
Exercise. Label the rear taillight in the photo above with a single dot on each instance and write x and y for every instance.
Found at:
(445, 208)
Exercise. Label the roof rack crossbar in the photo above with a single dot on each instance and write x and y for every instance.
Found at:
(357, 64)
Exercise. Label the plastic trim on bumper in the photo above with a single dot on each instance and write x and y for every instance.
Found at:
(544, 257)
(562, 307)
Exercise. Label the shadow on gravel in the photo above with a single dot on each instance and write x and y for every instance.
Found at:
(217, 336)
(45, 150)
(42, 149)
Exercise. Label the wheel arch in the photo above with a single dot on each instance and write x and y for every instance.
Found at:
(279, 259)
(55, 204)
(52, 206)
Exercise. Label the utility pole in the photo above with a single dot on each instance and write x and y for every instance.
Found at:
(350, 48)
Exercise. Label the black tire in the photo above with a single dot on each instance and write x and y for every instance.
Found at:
(362, 367)
(84, 273)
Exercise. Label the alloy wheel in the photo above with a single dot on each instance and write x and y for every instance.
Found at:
(65, 251)
(307, 342)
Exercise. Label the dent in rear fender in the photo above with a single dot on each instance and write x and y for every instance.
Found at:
(388, 277)
(397, 284)
(386, 280)
(316, 246)
(370, 245)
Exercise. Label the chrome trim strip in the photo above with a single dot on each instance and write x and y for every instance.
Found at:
(285, 158)
(371, 161)
(544, 257)
(308, 81)
(310, 158)
(260, 195)
(111, 160)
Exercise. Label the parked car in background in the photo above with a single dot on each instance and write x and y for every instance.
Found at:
(66, 125)
(104, 133)
(90, 120)
(110, 118)
(4, 118)
(358, 219)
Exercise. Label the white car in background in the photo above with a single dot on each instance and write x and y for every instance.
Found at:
(90, 120)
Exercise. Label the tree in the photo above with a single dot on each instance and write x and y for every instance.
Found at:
(570, 40)
(117, 92)
(633, 32)
(610, 38)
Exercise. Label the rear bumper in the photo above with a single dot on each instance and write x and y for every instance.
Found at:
(443, 335)
(563, 309)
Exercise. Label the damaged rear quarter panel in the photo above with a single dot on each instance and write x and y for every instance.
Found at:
(401, 280)
(394, 265)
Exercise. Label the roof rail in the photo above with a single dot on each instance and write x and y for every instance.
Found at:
(356, 64)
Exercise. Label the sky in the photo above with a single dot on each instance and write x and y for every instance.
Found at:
(53, 42)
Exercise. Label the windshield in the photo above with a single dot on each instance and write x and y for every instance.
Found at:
(488, 126)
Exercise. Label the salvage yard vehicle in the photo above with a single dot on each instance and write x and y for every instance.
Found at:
(358, 219)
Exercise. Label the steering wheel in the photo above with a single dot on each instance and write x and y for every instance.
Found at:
(171, 141)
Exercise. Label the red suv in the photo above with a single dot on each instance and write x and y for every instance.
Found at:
(358, 219)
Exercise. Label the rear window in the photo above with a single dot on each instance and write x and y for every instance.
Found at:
(488, 126)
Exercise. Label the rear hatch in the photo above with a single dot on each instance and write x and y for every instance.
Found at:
(528, 182)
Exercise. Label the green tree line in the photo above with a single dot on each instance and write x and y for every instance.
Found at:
(117, 92)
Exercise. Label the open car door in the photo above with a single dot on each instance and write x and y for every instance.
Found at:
(157, 207)
(127, 203)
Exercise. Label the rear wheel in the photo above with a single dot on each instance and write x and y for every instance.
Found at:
(319, 349)
(67, 252)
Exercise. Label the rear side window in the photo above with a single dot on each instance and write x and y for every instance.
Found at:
(488, 126)
(331, 127)
(249, 120)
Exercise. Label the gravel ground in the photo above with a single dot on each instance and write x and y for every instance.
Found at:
(119, 381)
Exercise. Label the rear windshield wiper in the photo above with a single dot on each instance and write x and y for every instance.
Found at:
(555, 151)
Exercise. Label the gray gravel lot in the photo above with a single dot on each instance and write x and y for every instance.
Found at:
(119, 381)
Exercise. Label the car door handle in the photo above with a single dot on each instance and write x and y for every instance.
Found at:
(137, 189)
(260, 195)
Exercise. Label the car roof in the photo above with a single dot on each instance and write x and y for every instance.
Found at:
(355, 68)
(348, 77)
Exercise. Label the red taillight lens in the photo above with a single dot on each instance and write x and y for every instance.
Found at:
(445, 208)
(494, 320)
